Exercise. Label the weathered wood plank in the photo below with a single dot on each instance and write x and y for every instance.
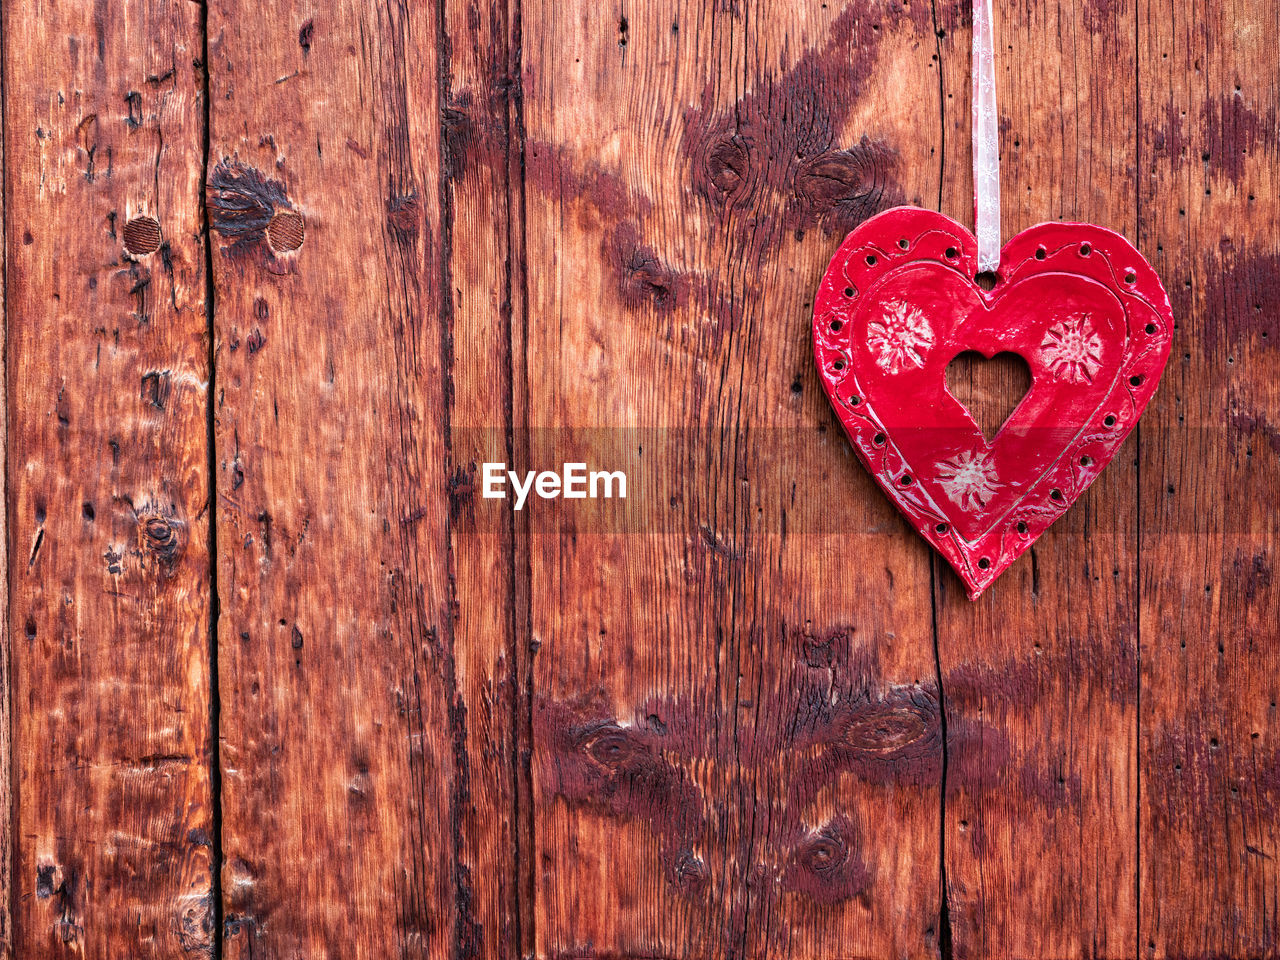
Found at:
(482, 178)
(1210, 469)
(1040, 674)
(737, 748)
(6, 661)
(366, 699)
(107, 447)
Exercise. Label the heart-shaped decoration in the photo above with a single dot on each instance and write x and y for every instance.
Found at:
(901, 300)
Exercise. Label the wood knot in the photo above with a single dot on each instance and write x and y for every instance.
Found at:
(687, 871)
(644, 280)
(728, 165)
(826, 865)
(831, 177)
(195, 929)
(610, 746)
(285, 231)
(841, 188)
(141, 236)
(404, 213)
(897, 727)
(600, 764)
(164, 539)
(824, 854)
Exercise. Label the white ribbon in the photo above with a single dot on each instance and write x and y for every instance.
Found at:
(986, 140)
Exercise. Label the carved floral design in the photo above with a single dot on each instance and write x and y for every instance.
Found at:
(968, 478)
(1072, 349)
(900, 338)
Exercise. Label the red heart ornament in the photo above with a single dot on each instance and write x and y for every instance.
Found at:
(898, 303)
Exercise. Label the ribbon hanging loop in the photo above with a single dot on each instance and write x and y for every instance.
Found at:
(986, 140)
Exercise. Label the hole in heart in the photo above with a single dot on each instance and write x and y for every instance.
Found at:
(989, 389)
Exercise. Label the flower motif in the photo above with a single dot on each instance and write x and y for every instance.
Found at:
(968, 478)
(1072, 350)
(900, 338)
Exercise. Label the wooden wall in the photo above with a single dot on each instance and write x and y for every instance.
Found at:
(280, 683)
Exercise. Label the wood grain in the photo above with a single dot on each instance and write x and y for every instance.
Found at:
(1210, 469)
(737, 747)
(335, 633)
(366, 696)
(6, 661)
(1039, 676)
(108, 493)
(481, 183)
(743, 712)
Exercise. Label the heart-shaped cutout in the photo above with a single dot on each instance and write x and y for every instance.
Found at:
(989, 388)
(900, 301)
